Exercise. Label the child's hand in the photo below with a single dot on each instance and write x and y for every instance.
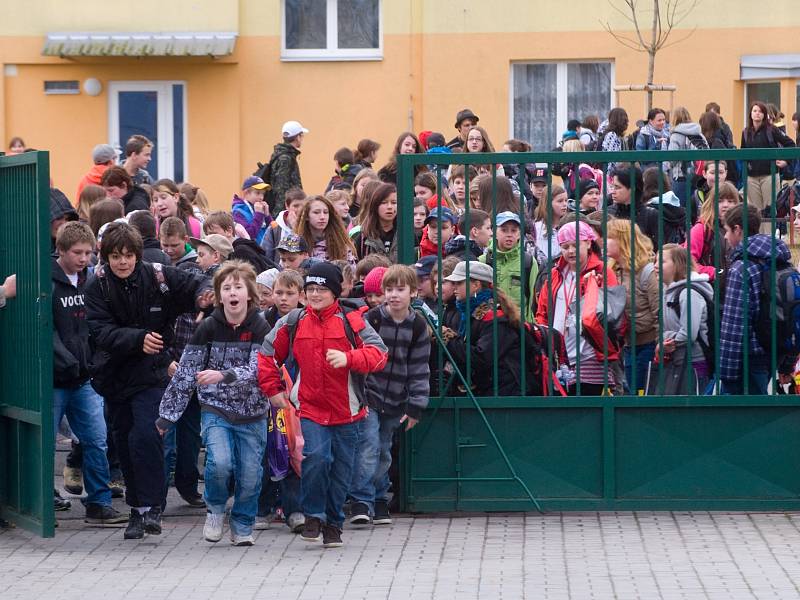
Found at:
(669, 346)
(260, 207)
(209, 377)
(409, 421)
(173, 366)
(205, 299)
(336, 358)
(153, 344)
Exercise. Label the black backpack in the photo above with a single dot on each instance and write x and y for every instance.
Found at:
(712, 316)
(787, 311)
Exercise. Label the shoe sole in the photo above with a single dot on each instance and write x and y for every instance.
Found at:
(333, 545)
(244, 543)
(308, 539)
(133, 537)
(105, 524)
(383, 521)
(62, 508)
(75, 491)
(211, 539)
(297, 529)
(152, 530)
(359, 520)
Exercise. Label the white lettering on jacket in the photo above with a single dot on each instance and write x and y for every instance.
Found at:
(69, 301)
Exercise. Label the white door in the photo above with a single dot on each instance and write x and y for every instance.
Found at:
(155, 109)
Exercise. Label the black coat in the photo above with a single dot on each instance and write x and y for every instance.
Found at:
(249, 251)
(153, 253)
(136, 199)
(71, 350)
(121, 312)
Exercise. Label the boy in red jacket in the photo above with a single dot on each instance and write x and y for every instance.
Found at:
(332, 350)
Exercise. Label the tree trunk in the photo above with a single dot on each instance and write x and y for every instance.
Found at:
(651, 54)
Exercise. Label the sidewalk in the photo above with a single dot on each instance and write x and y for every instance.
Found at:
(571, 555)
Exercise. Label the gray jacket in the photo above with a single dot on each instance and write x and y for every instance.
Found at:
(679, 140)
(675, 327)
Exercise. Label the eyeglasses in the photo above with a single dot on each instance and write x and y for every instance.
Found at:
(316, 289)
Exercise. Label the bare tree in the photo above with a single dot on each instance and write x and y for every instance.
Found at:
(666, 15)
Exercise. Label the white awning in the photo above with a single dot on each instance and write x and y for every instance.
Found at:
(769, 66)
(205, 43)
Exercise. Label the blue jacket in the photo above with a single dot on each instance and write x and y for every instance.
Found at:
(759, 251)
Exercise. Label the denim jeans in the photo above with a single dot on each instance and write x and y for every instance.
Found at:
(328, 457)
(374, 458)
(233, 451)
(644, 356)
(84, 410)
(758, 380)
(181, 449)
(140, 448)
(284, 494)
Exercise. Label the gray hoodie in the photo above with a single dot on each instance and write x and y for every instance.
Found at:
(679, 140)
(675, 327)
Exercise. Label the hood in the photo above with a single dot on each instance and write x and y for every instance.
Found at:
(458, 244)
(687, 129)
(59, 276)
(508, 255)
(668, 199)
(281, 220)
(189, 256)
(241, 202)
(95, 174)
(284, 148)
(385, 314)
(674, 215)
(759, 246)
(60, 206)
(252, 314)
(699, 281)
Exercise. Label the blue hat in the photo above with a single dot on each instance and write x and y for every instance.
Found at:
(424, 265)
(254, 182)
(506, 216)
(442, 213)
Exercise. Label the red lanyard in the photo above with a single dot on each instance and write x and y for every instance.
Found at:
(569, 294)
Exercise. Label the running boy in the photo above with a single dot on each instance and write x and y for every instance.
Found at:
(396, 395)
(332, 350)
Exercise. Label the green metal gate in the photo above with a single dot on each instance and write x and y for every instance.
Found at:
(26, 345)
(519, 453)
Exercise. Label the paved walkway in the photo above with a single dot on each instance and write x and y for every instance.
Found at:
(583, 556)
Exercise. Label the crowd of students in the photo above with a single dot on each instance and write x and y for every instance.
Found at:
(284, 337)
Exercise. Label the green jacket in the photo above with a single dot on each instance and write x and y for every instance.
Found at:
(509, 280)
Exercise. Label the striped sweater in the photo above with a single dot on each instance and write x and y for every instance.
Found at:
(403, 386)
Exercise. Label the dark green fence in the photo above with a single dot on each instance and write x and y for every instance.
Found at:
(26, 345)
(615, 451)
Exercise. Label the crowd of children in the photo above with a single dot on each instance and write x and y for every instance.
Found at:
(285, 337)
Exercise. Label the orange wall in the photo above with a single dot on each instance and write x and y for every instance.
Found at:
(236, 105)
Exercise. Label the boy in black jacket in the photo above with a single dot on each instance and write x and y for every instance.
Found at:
(72, 392)
(131, 307)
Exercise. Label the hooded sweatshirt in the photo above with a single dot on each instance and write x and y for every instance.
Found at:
(674, 219)
(72, 353)
(759, 252)
(508, 271)
(679, 140)
(255, 223)
(91, 178)
(677, 327)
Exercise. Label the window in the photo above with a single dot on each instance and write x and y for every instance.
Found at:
(332, 30)
(61, 87)
(544, 96)
(765, 91)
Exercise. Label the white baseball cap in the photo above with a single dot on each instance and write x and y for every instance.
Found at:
(292, 128)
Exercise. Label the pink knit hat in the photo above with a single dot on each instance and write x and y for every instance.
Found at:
(373, 280)
(584, 232)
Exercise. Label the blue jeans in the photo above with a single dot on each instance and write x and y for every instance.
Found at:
(284, 494)
(644, 356)
(181, 449)
(328, 457)
(374, 457)
(233, 451)
(758, 380)
(84, 410)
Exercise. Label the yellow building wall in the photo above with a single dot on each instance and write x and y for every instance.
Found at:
(439, 57)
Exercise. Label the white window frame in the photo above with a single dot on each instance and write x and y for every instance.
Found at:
(562, 115)
(165, 131)
(332, 52)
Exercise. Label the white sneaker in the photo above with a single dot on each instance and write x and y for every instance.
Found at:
(242, 540)
(296, 522)
(212, 530)
(264, 522)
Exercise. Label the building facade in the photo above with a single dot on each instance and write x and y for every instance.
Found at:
(213, 80)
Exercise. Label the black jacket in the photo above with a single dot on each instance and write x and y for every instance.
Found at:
(136, 199)
(122, 311)
(249, 251)
(153, 253)
(71, 351)
(766, 136)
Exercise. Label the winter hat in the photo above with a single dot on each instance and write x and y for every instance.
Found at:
(585, 186)
(567, 233)
(327, 275)
(267, 278)
(423, 138)
(373, 280)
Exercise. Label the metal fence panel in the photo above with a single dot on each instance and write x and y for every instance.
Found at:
(26, 345)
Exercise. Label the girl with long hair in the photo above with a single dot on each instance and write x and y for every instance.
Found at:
(704, 236)
(642, 276)
(324, 232)
(543, 229)
(378, 232)
(366, 152)
(168, 201)
(407, 143)
(478, 141)
(363, 177)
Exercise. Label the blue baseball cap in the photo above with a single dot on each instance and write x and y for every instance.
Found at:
(506, 216)
(441, 213)
(424, 265)
(254, 182)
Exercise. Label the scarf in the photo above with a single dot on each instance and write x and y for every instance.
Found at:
(478, 301)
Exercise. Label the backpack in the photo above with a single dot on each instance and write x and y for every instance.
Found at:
(538, 369)
(524, 283)
(673, 233)
(265, 172)
(697, 142)
(787, 311)
(711, 320)
(784, 201)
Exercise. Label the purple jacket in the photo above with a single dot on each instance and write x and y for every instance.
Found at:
(255, 223)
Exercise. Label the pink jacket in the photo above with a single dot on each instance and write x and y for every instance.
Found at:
(700, 237)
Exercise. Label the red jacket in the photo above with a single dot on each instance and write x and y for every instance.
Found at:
(326, 395)
(606, 277)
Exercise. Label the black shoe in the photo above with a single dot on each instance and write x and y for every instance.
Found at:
(103, 515)
(311, 530)
(152, 521)
(135, 528)
(381, 516)
(59, 503)
(331, 536)
(117, 487)
(194, 500)
(360, 512)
